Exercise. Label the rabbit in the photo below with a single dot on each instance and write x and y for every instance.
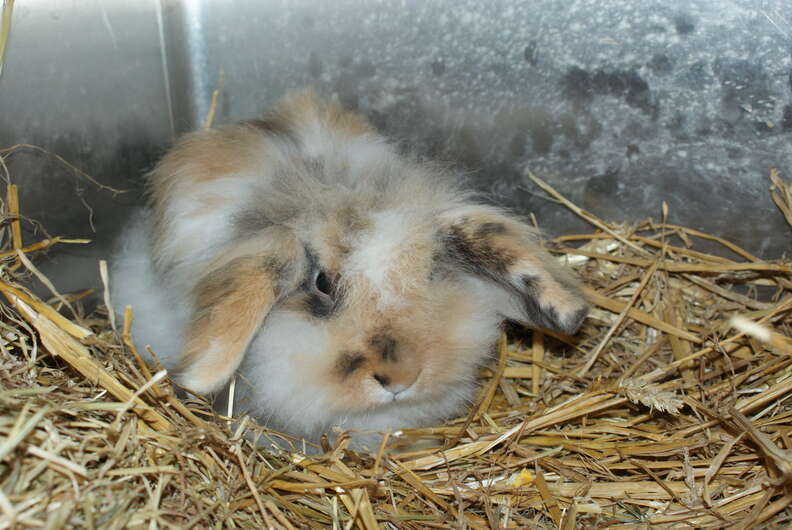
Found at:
(348, 284)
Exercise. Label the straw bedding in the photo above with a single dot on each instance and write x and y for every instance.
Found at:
(665, 411)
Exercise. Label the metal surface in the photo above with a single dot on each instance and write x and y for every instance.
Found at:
(84, 80)
(618, 104)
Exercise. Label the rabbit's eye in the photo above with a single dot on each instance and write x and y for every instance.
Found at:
(322, 284)
(321, 301)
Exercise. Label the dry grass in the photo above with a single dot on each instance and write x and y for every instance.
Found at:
(663, 412)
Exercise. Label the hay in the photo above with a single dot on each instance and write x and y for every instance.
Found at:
(665, 411)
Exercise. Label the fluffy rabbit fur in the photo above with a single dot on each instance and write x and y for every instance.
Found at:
(348, 285)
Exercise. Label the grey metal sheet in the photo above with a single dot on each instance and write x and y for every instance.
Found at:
(619, 104)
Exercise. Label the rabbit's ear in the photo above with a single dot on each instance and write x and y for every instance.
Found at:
(230, 302)
(487, 243)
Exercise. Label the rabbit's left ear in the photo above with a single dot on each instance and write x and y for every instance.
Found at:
(487, 243)
(229, 304)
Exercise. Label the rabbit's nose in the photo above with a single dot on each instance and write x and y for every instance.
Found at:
(393, 386)
(397, 389)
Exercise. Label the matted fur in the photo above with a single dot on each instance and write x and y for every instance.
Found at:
(348, 285)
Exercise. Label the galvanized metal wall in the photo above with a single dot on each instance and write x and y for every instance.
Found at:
(619, 104)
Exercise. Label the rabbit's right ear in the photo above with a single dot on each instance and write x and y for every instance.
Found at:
(230, 302)
(500, 249)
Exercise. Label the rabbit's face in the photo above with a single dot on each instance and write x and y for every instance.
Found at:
(377, 318)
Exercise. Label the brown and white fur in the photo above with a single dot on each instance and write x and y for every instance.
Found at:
(348, 285)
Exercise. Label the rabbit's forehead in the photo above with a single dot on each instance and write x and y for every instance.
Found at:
(392, 256)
